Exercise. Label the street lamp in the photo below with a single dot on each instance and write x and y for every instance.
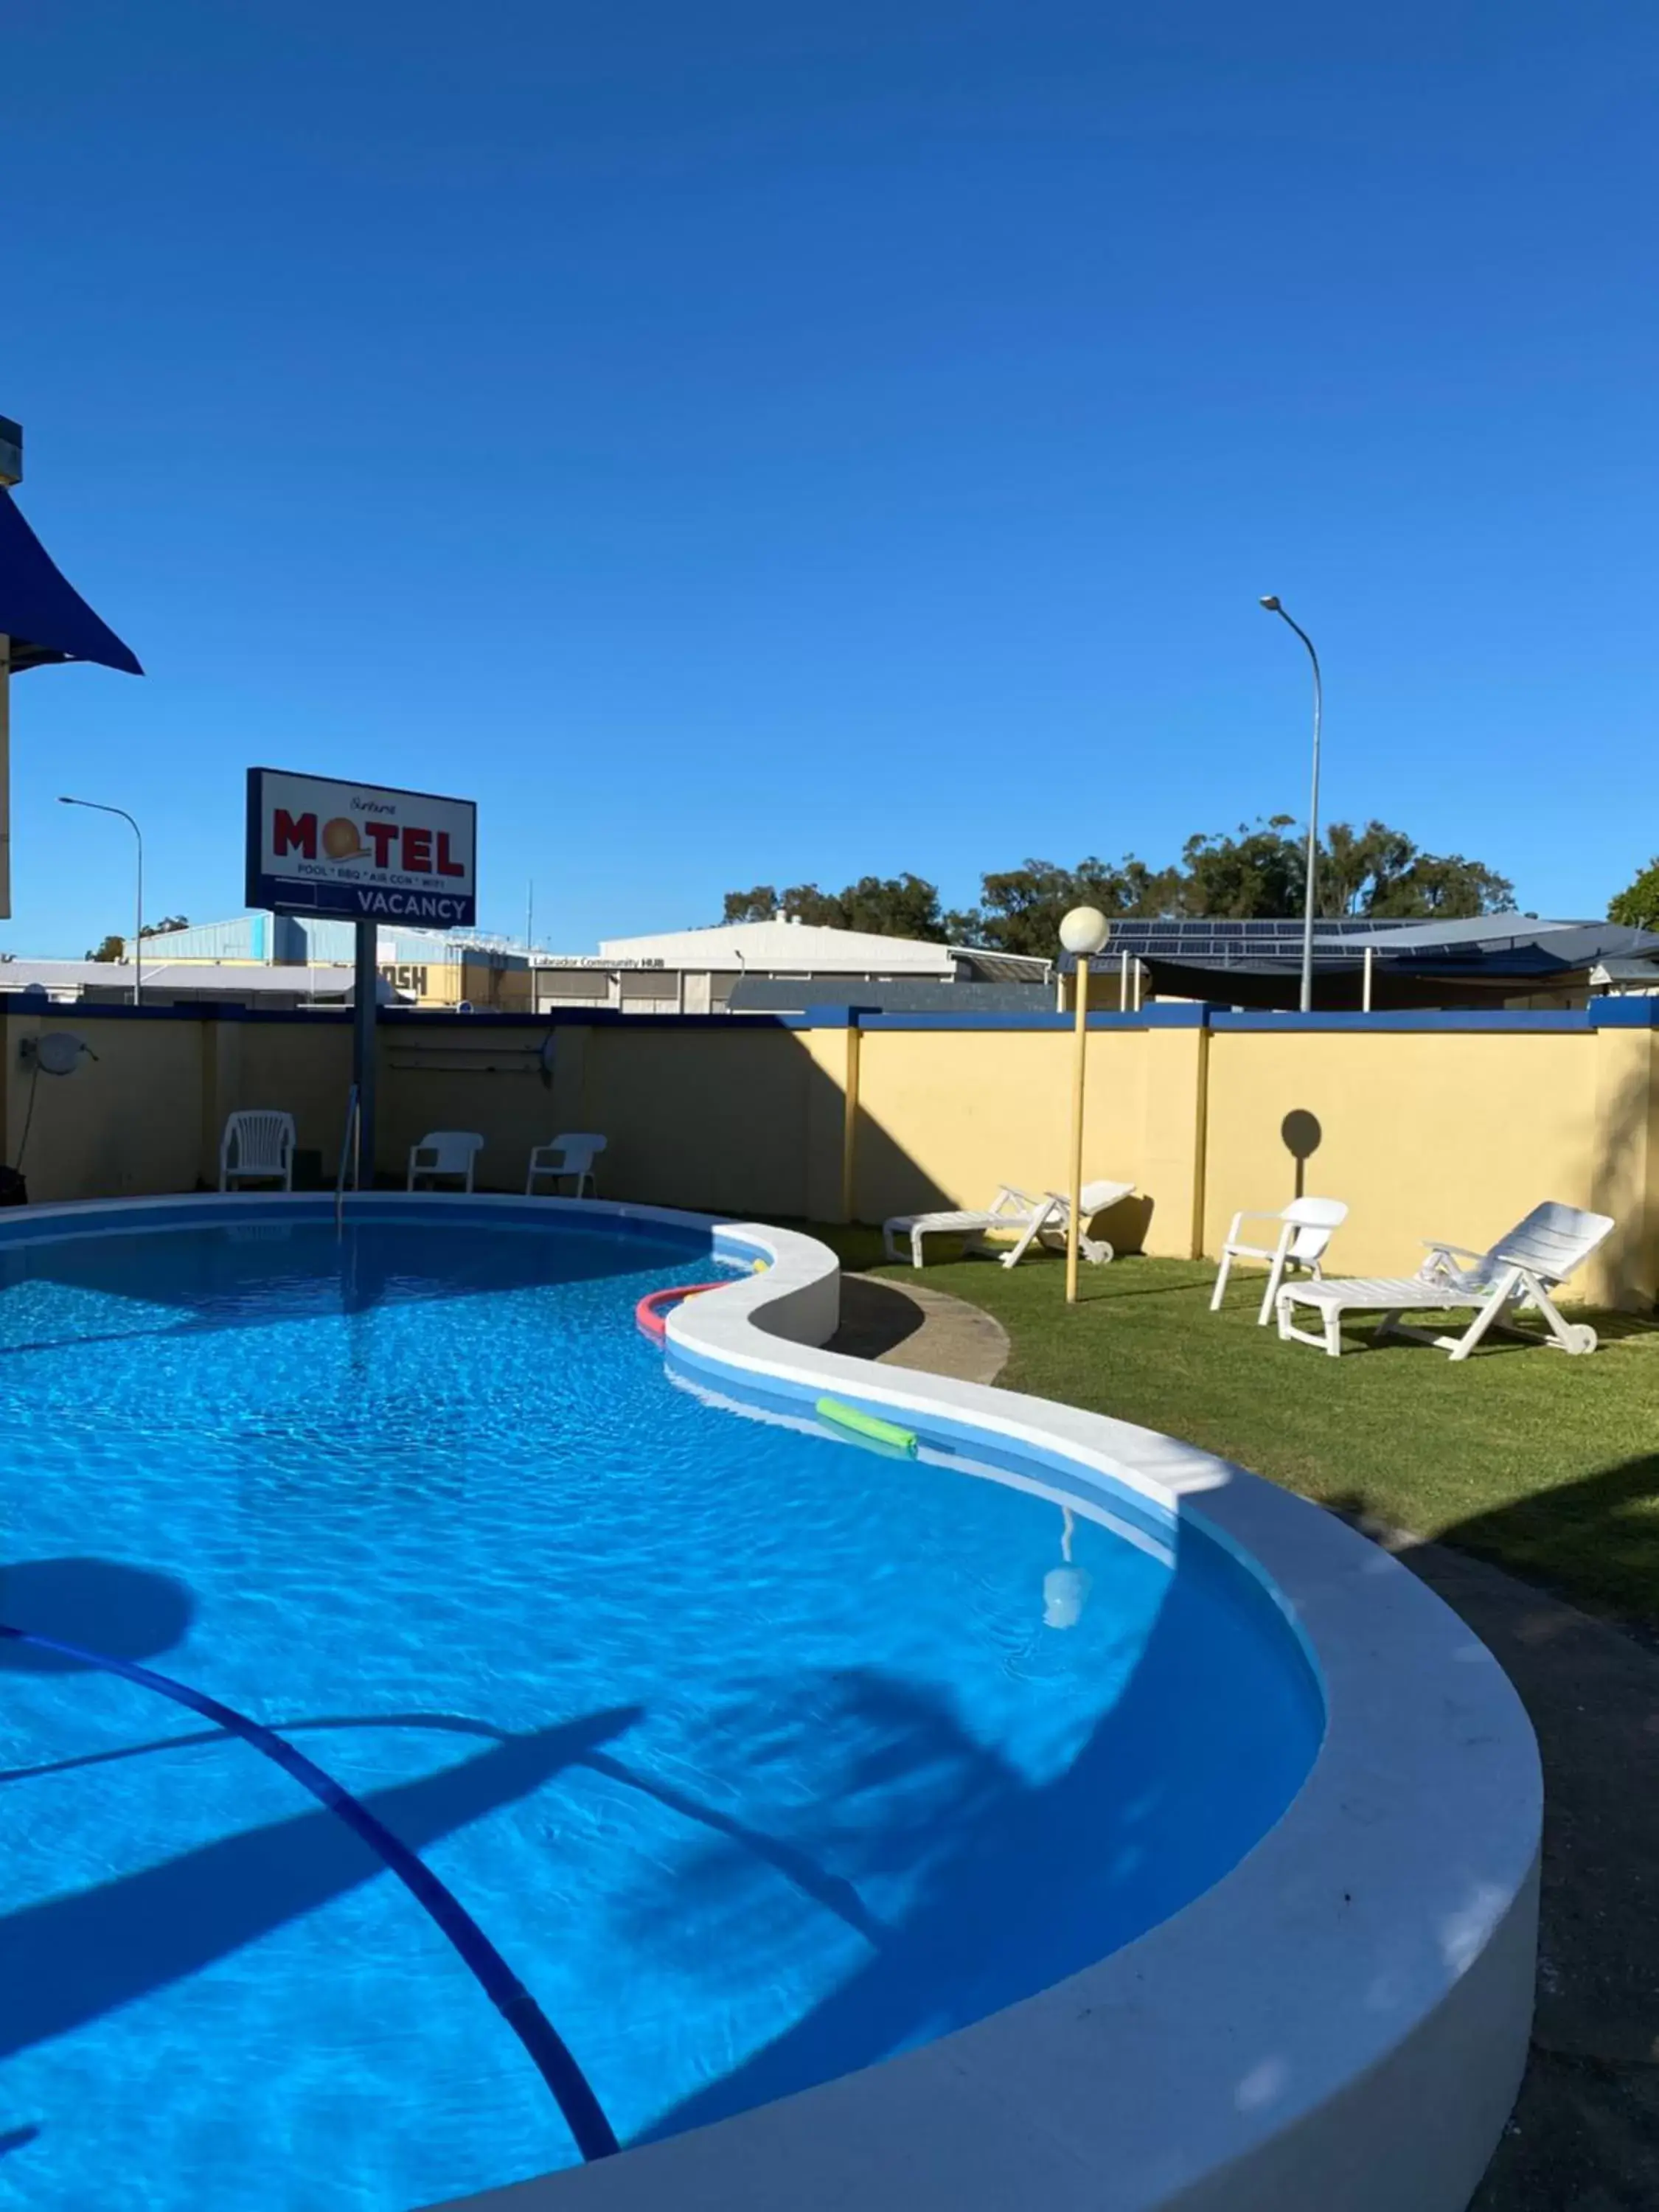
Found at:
(99, 807)
(1083, 932)
(1273, 608)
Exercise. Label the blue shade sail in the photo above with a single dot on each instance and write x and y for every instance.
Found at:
(40, 611)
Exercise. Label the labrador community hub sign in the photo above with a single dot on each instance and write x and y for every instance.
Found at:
(317, 846)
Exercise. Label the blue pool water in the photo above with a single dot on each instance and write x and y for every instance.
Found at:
(760, 1755)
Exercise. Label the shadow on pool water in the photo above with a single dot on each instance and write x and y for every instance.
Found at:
(281, 1271)
(852, 1790)
(103, 1605)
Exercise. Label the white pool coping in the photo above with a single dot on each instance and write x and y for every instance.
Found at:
(1338, 2025)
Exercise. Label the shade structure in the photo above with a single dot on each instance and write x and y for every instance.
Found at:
(40, 611)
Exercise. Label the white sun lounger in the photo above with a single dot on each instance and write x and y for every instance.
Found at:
(1043, 1215)
(1518, 1272)
(1306, 1227)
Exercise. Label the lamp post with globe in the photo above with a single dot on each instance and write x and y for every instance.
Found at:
(1084, 932)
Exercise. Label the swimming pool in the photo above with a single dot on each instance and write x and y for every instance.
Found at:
(759, 1754)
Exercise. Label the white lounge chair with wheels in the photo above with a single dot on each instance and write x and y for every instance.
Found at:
(257, 1146)
(1517, 1274)
(1307, 1225)
(1045, 1215)
(569, 1156)
(448, 1152)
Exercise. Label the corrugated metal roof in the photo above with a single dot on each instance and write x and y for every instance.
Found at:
(164, 979)
(910, 994)
(1510, 943)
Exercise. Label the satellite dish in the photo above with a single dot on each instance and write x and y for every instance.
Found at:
(58, 1053)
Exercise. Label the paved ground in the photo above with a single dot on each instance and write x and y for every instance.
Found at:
(907, 1325)
(1584, 2136)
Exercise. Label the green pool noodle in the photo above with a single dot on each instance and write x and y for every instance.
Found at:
(868, 1424)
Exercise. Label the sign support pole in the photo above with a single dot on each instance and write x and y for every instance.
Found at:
(365, 1002)
(320, 845)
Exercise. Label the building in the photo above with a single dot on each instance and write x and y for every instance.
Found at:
(423, 967)
(109, 983)
(754, 967)
(784, 967)
(1494, 960)
(767, 966)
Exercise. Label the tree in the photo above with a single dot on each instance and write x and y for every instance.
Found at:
(1020, 910)
(115, 948)
(889, 906)
(1446, 887)
(1361, 868)
(1261, 874)
(1637, 905)
(1258, 873)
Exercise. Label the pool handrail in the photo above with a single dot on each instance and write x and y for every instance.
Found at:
(351, 1138)
(549, 2053)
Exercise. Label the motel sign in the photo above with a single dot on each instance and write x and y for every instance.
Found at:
(316, 845)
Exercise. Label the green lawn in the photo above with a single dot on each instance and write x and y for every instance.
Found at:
(1546, 1464)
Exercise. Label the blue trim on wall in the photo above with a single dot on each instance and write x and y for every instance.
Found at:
(1600, 1013)
(1537, 1020)
(1182, 1017)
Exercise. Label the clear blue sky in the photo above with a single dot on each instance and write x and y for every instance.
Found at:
(741, 442)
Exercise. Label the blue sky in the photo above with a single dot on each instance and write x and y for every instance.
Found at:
(742, 443)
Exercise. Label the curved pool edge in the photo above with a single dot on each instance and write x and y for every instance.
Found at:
(1338, 2025)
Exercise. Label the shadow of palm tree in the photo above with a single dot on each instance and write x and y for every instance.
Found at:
(70, 1958)
(979, 1885)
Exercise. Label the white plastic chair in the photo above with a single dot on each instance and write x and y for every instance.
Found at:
(262, 1140)
(445, 1152)
(1032, 1217)
(570, 1155)
(1307, 1227)
(1518, 1272)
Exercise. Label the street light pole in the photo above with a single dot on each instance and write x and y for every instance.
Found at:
(1273, 608)
(98, 806)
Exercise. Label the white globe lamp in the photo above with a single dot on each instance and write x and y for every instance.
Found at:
(1084, 931)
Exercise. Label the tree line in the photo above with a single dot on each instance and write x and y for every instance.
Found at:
(1638, 904)
(1258, 873)
(115, 948)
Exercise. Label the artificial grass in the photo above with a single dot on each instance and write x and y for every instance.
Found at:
(1548, 1465)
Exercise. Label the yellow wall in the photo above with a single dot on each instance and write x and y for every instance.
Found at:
(947, 1115)
(125, 1124)
(303, 1066)
(1435, 1132)
(707, 1116)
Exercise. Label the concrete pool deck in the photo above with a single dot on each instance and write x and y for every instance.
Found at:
(912, 1325)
